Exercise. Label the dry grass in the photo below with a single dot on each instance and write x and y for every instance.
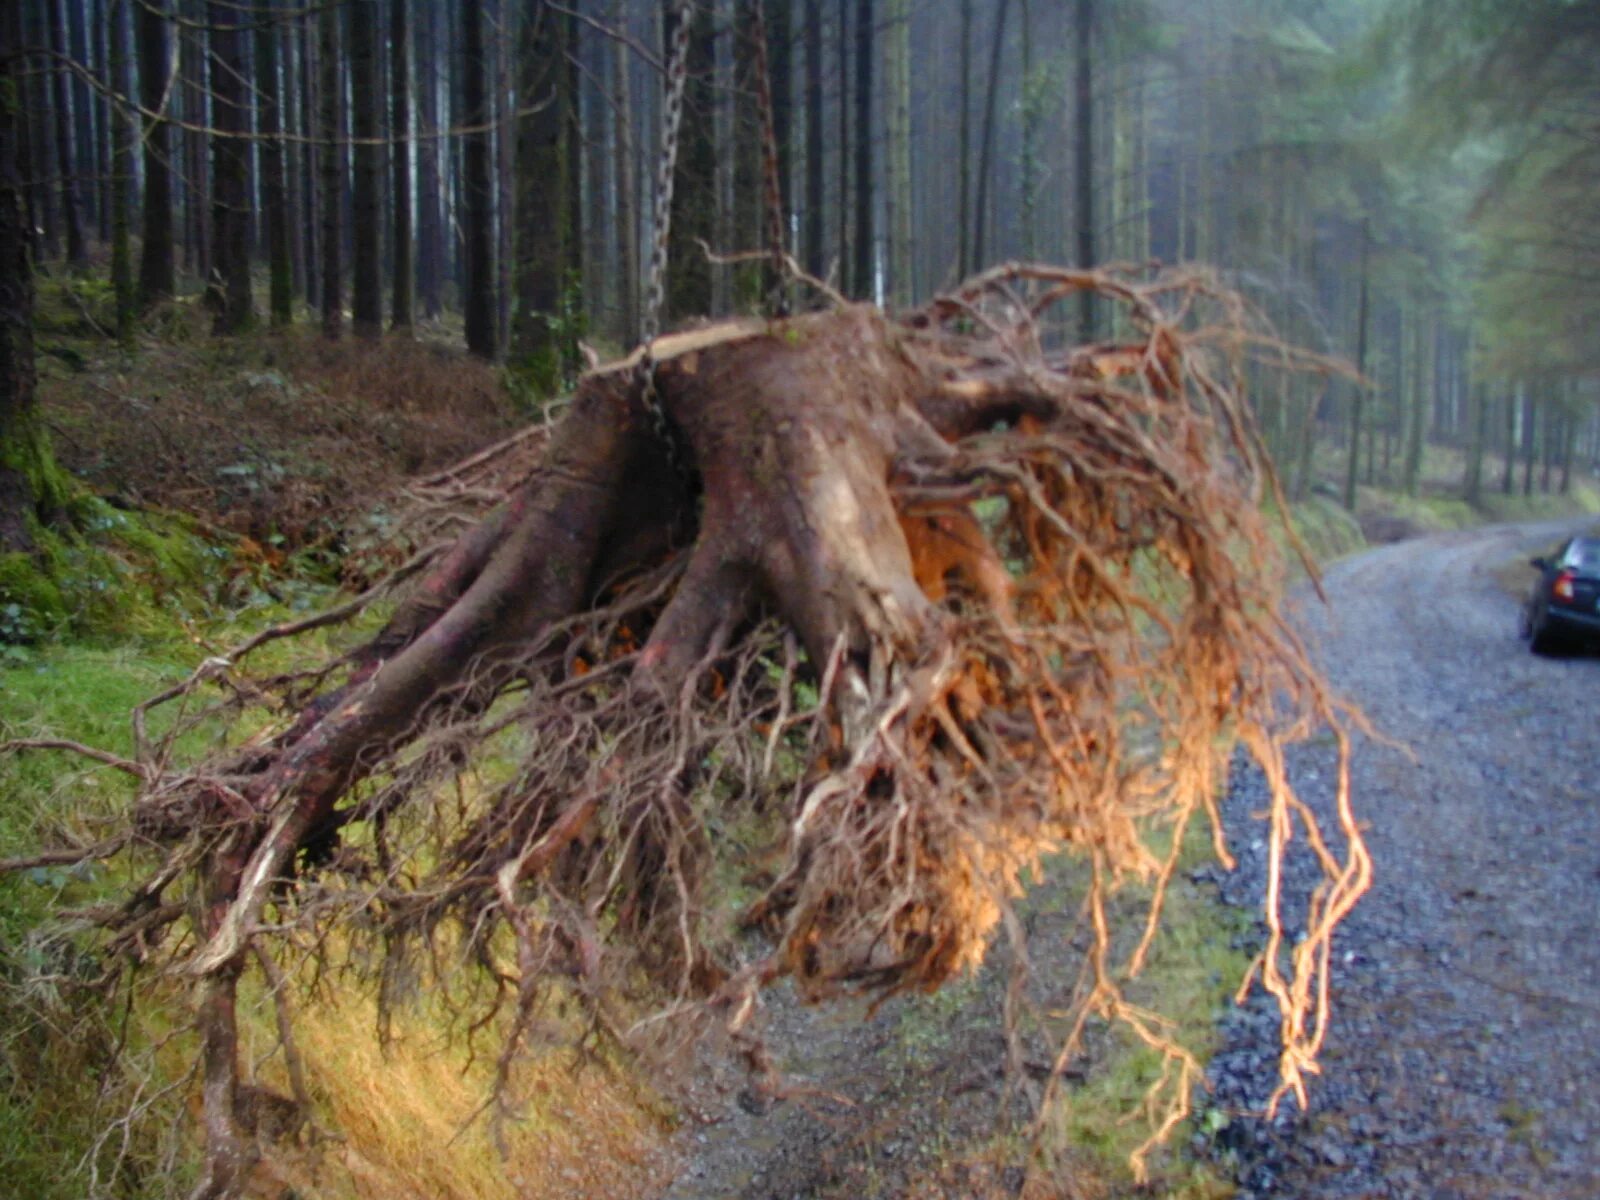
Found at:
(408, 1119)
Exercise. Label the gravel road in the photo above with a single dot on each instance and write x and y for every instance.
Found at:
(1465, 1056)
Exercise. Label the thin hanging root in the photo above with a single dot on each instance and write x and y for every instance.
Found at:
(924, 602)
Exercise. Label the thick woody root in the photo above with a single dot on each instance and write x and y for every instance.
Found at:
(948, 596)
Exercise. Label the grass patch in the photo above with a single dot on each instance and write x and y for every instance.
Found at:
(1189, 978)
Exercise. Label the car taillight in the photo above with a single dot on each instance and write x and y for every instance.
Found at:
(1563, 584)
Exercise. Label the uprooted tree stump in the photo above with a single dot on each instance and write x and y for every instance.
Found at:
(955, 598)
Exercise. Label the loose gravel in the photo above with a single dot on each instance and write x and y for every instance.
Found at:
(1465, 1050)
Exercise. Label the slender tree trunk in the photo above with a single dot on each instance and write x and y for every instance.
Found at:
(430, 220)
(329, 133)
(274, 190)
(980, 213)
(694, 193)
(1421, 402)
(366, 276)
(309, 128)
(897, 117)
(866, 244)
(400, 161)
(197, 181)
(122, 138)
(157, 274)
(816, 257)
(541, 326)
(39, 116)
(478, 304)
(964, 147)
(627, 230)
(26, 471)
(1478, 431)
(1358, 400)
(1083, 153)
(66, 159)
(843, 209)
(91, 45)
(1508, 473)
(1530, 430)
(229, 153)
(1569, 436)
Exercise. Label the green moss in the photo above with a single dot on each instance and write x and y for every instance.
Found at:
(31, 603)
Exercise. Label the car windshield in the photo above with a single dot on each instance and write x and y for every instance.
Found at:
(1584, 555)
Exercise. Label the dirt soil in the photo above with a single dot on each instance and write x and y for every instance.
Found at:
(1466, 1047)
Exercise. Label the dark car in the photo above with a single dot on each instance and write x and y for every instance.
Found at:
(1564, 606)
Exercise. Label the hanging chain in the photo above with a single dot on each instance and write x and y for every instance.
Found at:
(777, 299)
(655, 290)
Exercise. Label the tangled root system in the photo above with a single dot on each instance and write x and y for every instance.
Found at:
(939, 598)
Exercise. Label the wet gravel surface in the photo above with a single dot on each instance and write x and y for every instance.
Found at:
(1464, 1059)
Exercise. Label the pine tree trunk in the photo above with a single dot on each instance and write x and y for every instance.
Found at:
(430, 220)
(231, 207)
(38, 114)
(329, 134)
(816, 256)
(25, 464)
(1508, 473)
(122, 138)
(366, 276)
(541, 334)
(897, 117)
(157, 272)
(866, 243)
(400, 161)
(478, 304)
(66, 159)
(625, 180)
(694, 193)
(274, 189)
(980, 249)
(1083, 153)
(964, 147)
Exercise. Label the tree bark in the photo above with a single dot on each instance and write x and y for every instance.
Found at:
(986, 137)
(231, 207)
(430, 221)
(332, 171)
(274, 185)
(66, 157)
(158, 278)
(401, 314)
(625, 181)
(366, 275)
(26, 468)
(121, 181)
(816, 250)
(543, 327)
(1083, 154)
(897, 119)
(694, 194)
(478, 304)
(866, 243)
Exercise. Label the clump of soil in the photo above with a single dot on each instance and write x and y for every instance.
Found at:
(282, 437)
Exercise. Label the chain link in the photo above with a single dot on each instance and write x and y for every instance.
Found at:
(655, 290)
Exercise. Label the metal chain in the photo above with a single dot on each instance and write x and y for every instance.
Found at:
(777, 299)
(655, 290)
